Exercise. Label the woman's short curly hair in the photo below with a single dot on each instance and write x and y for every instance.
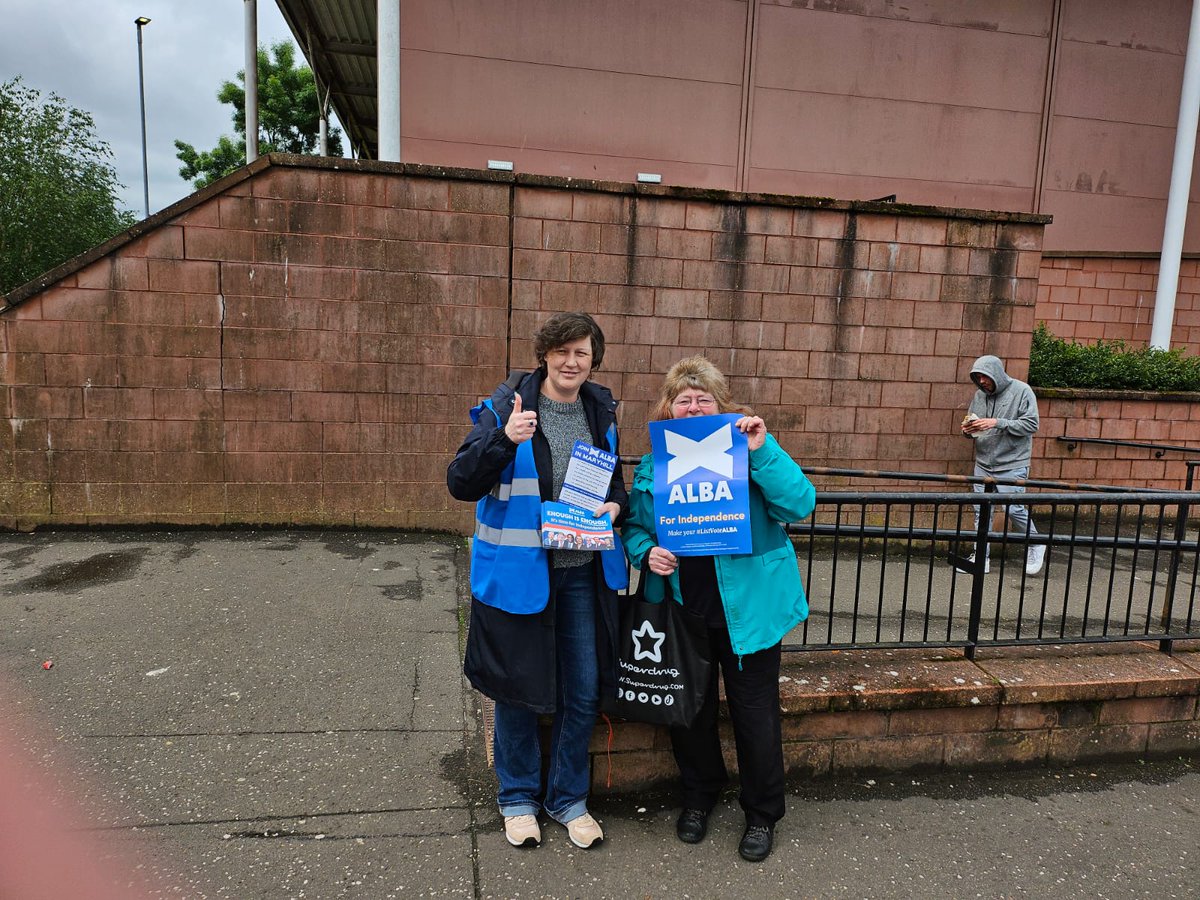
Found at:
(562, 328)
(695, 373)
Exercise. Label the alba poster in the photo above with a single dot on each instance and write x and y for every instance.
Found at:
(701, 485)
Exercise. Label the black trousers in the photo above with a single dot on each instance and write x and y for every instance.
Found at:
(752, 693)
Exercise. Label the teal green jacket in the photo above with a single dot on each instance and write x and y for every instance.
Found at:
(760, 590)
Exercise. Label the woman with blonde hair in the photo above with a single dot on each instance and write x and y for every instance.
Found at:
(748, 603)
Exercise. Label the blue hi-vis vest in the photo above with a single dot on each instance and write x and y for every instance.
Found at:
(509, 566)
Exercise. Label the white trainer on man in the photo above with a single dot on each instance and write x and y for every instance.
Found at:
(1035, 556)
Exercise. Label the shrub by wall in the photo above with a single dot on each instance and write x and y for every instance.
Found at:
(1113, 365)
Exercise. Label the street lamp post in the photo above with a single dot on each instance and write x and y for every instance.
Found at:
(139, 22)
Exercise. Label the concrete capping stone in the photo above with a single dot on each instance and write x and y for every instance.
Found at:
(1107, 672)
(1113, 254)
(284, 160)
(1060, 393)
(883, 679)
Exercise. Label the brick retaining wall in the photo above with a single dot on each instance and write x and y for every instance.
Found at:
(918, 709)
(1115, 415)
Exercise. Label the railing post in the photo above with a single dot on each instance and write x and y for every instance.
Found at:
(1181, 515)
(981, 554)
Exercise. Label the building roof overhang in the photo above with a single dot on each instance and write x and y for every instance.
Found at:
(339, 40)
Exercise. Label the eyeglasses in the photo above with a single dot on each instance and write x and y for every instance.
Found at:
(702, 402)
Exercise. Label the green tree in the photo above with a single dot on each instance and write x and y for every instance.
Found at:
(58, 190)
(288, 118)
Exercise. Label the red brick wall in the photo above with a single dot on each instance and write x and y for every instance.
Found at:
(855, 352)
(1088, 298)
(301, 343)
(273, 354)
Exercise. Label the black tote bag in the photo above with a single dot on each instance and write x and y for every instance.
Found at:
(663, 661)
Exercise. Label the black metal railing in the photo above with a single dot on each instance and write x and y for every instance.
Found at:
(895, 569)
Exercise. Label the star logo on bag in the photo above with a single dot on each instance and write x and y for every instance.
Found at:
(710, 453)
(652, 638)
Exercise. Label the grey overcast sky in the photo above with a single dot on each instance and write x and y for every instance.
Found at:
(86, 52)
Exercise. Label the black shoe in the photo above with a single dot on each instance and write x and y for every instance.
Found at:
(756, 843)
(692, 826)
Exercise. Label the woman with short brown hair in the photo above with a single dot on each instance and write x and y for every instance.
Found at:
(543, 622)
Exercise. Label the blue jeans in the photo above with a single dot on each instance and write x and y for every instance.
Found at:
(518, 752)
(1018, 514)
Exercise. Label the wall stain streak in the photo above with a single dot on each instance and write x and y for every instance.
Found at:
(631, 256)
(729, 248)
(844, 365)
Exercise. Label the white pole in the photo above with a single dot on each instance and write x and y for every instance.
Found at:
(251, 7)
(1181, 186)
(388, 65)
(322, 107)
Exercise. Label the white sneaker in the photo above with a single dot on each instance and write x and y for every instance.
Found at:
(584, 831)
(522, 831)
(987, 565)
(1034, 557)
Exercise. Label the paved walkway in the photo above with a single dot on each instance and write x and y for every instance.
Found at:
(281, 714)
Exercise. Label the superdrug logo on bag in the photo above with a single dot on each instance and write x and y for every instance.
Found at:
(662, 662)
(654, 685)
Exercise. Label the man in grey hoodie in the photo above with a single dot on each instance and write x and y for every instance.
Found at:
(1002, 419)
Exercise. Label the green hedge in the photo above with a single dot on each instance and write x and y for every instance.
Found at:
(1055, 362)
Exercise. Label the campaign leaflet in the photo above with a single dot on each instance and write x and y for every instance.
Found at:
(589, 473)
(567, 528)
(701, 485)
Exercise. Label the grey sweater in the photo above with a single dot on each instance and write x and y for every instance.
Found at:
(563, 424)
(1010, 444)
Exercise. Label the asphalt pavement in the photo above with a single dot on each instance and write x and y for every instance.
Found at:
(281, 714)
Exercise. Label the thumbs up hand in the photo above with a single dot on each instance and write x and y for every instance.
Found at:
(521, 425)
